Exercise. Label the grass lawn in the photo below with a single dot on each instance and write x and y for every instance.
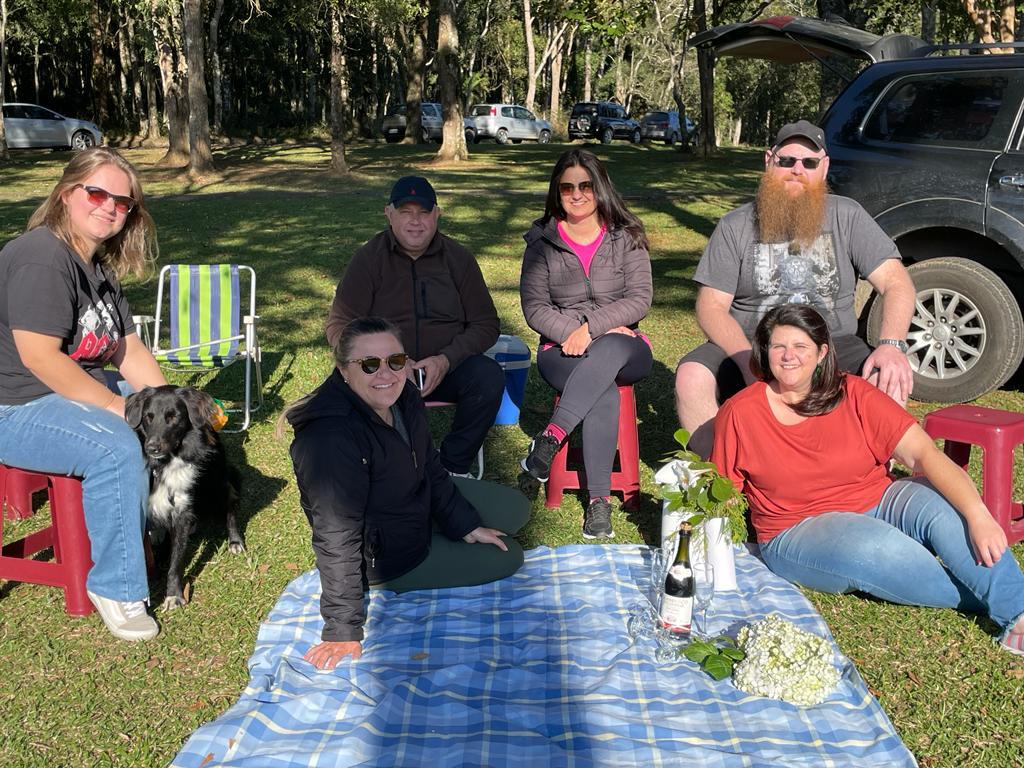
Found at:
(72, 695)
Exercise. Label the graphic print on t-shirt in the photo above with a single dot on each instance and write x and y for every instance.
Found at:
(99, 334)
(799, 276)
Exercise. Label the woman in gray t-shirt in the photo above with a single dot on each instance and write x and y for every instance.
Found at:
(62, 319)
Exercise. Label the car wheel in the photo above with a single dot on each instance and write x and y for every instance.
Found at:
(607, 136)
(501, 136)
(470, 136)
(82, 140)
(392, 139)
(672, 139)
(544, 137)
(635, 138)
(967, 334)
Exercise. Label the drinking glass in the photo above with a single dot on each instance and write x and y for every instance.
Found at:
(643, 614)
(703, 592)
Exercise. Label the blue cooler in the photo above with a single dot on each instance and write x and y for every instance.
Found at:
(512, 354)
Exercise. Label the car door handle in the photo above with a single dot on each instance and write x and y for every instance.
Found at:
(1015, 180)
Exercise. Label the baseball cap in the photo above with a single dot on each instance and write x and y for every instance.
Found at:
(801, 129)
(413, 189)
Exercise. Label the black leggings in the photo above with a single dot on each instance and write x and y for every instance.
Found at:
(589, 387)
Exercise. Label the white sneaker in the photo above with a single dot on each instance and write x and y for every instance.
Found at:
(467, 475)
(128, 621)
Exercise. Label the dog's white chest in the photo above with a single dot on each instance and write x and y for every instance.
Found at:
(173, 490)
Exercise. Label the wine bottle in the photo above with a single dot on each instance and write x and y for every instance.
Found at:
(677, 599)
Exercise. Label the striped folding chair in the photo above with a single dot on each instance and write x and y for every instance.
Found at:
(204, 328)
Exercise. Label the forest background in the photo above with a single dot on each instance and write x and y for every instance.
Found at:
(270, 69)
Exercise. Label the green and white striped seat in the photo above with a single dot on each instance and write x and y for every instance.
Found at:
(205, 325)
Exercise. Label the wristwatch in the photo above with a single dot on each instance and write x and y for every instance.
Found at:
(898, 343)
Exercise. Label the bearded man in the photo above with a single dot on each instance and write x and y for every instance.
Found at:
(795, 243)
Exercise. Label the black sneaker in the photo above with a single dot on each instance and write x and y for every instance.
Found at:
(542, 452)
(597, 520)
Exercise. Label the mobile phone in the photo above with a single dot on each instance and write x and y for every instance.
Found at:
(419, 375)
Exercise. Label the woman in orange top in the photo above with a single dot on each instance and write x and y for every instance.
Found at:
(810, 447)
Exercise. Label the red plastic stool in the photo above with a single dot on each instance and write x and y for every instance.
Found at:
(18, 494)
(66, 534)
(998, 433)
(625, 480)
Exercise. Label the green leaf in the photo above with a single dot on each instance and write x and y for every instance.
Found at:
(722, 489)
(696, 520)
(733, 653)
(682, 437)
(719, 667)
(698, 651)
(703, 465)
(703, 502)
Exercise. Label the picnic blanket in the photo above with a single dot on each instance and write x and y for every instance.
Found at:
(535, 670)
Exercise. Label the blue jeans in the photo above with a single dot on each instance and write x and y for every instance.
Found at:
(890, 552)
(60, 436)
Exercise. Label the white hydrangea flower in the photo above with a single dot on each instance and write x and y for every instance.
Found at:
(784, 662)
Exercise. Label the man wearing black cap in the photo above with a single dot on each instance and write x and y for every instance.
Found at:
(432, 288)
(795, 243)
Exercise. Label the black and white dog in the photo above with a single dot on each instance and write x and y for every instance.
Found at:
(190, 478)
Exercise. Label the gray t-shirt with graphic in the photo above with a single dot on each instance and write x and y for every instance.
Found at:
(761, 276)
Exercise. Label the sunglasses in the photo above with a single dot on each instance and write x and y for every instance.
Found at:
(788, 161)
(99, 196)
(566, 188)
(371, 365)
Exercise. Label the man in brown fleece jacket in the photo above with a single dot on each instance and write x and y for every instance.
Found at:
(432, 288)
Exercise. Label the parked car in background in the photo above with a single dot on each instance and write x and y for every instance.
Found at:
(29, 125)
(604, 121)
(505, 123)
(431, 121)
(931, 147)
(665, 126)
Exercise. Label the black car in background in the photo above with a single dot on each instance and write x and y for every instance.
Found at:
(604, 121)
(933, 148)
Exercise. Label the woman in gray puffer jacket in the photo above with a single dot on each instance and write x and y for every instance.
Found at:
(585, 287)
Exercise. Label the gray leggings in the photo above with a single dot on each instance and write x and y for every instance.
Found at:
(589, 387)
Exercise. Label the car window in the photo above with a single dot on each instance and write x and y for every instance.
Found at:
(656, 117)
(618, 112)
(14, 111)
(479, 110)
(506, 112)
(962, 109)
(431, 109)
(585, 108)
(38, 113)
(523, 114)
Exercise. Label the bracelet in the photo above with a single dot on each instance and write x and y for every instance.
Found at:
(113, 397)
(898, 343)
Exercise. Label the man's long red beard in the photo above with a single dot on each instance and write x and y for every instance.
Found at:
(783, 217)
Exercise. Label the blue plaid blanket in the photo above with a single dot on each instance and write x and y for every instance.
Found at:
(535, 670)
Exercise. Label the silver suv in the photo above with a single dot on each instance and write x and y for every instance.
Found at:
(505, 123)
(431, 121)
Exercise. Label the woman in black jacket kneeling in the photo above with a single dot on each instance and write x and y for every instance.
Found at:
(374, 491)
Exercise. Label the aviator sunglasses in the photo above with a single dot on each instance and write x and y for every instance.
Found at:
(566, 188)
(788, 161)
(98, 196)
(370, 365)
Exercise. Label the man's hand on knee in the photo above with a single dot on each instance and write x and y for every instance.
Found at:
(435, 368)
(889, 370)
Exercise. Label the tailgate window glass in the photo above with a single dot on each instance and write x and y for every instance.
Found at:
(480, 110)
(969, 109)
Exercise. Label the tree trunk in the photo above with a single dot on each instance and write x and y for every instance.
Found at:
(531, 65)
(588, 71)
(928, 19)
(556, 82)
(706, 79)
(453, 144)
(339, 165)
(417, 47)
(100, 85)
(200, 158)
(4, 154)
(128, 81)
(215, 69)
(172, 76)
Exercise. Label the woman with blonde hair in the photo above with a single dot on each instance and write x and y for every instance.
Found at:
(63, 317)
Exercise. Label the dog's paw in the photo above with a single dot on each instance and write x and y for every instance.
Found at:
(236, 547)
(172, 601)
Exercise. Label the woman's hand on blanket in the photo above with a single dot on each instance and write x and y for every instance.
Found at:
(486, 536)
(326, 655)
(988, 540)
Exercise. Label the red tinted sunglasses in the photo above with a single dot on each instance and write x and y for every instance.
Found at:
(99, 196)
